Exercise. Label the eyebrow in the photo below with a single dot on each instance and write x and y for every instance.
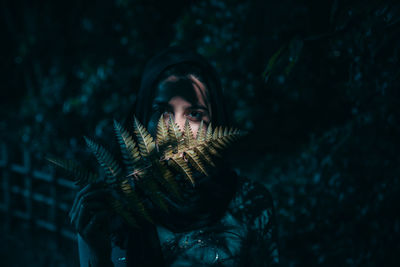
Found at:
(193, 106)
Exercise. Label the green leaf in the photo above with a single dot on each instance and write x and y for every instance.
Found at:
(106, 160)
(181, 166)
(162, 132)
(188, 135)
(145, 140)
(81, 175)
(129, 150)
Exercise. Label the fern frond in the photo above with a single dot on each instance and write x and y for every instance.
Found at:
(130, 152)
(209, 147)
(106, 160)
(181, 166)
(201, 137)
(226, 131)
(174, 133)
(162, 132)
(146, 142)
(209, 133)
(119, 208)
(215, 133)
(220, 131)
(80, 175)
(151, 189)
(204, 154)
(166, 179)
(195, 160)
(134, 200)
(188, 135)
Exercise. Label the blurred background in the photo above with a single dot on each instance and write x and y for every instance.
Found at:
(316, 84)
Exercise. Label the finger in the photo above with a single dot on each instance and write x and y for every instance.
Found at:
(85, 209)
(83, 191)
(86, 213)
(88, 200)
(99, 193)
(97, 222)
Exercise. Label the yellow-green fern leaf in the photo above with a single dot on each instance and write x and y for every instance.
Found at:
(220, 132)
(146, 142)
(133, 199)
(195, 160)
(151, 189)
(127, 216)
(216, 132)
(204, 154)
(188, 135)
(182, 166)
(167, 180)
(209, 133)
(174, 133)
(226, 131)
(162, 132)
(209, 147)
(129, 150)
(106, 160)
(201, 137)
(80, 175)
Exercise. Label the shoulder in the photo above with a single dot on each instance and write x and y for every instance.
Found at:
(253, 207)
(251, 200)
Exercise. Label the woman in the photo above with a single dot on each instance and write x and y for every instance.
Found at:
(225, 220)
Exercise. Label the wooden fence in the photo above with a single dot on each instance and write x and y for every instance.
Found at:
(40, 198)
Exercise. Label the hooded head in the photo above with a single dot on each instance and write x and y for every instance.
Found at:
(191, 71)
(187, 83)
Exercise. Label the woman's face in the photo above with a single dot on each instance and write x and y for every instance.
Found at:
(182, 99)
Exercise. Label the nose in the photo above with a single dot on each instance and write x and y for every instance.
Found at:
(180, 119)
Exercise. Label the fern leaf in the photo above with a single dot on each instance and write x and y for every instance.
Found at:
(167, 179)
(209, 134)
(151, 189)
(118, 207)
(204, 154)
(134, 200)
(174, 133)
(211, 149)
(215, 133)
(181, 166)
(106, 160)
(226, 131)
(146, 142)
(188, 135)
(201, 137)
(195, 160)
(162, 132)
(80, 175)
(130, 152)
(220, 131)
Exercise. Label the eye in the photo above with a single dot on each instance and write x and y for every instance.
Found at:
(196, 115)
(162, 109)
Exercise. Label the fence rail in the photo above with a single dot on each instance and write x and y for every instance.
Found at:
(19, 182)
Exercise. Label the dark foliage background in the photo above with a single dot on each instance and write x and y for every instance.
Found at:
(315, 82)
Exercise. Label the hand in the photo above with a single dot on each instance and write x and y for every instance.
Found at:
(90, 216)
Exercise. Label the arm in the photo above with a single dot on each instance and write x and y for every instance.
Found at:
(88, 257)
(260, 244)
(90, 218)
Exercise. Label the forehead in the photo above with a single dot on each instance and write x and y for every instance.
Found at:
(190, 88)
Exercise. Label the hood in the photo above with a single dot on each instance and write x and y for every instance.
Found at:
(169, 57)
